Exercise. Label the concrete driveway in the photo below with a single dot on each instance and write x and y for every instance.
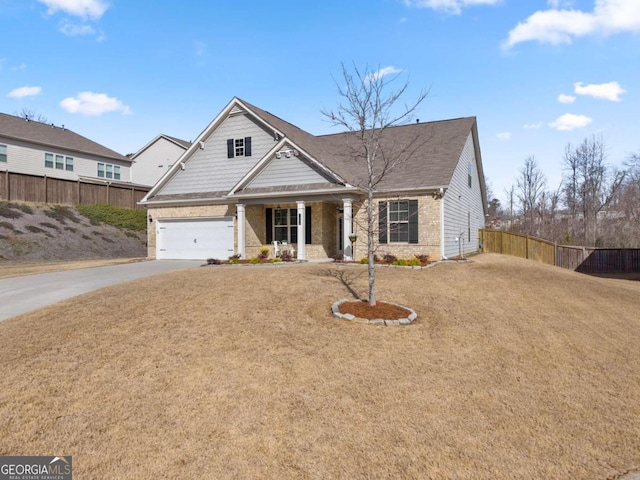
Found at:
(23, 294)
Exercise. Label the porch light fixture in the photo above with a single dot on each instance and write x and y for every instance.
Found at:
(150, 218)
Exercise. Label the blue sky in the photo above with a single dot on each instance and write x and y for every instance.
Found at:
(537, 74)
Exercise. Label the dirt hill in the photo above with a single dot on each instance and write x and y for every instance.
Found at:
(37, 232)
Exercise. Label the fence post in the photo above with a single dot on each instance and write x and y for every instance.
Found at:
(44, 181)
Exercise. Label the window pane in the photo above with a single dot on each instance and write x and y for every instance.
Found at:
(3, 153)
(101, 169)
(59, 162)
(109, 171)
(280, 234)
(399, 232)
(239, 144)
(116, 172)
(293, 216)
(294, 235)
(69, 164)
(280, 216)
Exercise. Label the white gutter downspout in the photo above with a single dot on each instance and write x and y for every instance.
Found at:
(442, 249)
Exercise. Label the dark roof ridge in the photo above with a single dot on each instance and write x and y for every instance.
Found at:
(410, 124)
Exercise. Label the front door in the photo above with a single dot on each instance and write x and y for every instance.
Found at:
(340, 230)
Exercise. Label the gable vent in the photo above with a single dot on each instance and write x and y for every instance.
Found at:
(236, 110)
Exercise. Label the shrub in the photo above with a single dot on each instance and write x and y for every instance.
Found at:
(400, 262)
(414, 262)
(234, 259)
(276, 260)
(213, 261)
(286, 256)
(389, 258)
(122, 218)
(422, 258)
(338, 257)
(364, 260)
(254, 260)
(264, 252)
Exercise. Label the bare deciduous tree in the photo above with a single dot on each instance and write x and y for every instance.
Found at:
(591, 184)
(28, 114)
(367, 108)
(530, 186)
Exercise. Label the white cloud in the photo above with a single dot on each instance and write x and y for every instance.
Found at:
(570, 121)
(93, 104)
(73, 30)
(604, 91)
(25, 91)
(532, 126)
(562, 98)
(557, 26)
(504, 136)
(453, 7)
(383, 72)
(93, 9)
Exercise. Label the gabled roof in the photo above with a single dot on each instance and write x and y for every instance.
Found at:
(180, 143)
(53, 137)
(431, 150)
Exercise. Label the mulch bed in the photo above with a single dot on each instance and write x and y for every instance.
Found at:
(384, 310)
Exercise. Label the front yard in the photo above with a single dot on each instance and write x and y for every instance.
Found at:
(512, 370)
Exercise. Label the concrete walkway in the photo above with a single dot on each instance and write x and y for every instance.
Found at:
(23, 294)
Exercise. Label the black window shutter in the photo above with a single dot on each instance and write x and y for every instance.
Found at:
(382, 222)
(413, 221)
(247, 146)
(269, 224)
(307, 225)
(230, 148)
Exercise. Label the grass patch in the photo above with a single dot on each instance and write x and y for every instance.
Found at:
(62, 213)
(50, 225)
(7, 225)
(122, 218)
(10, 210)
(34, 229)
(506, 356)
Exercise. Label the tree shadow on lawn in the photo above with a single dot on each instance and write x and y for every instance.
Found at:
(348, 278)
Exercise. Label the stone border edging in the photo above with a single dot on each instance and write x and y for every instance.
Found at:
(335, 308)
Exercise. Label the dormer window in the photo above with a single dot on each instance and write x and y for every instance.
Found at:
(239, 147)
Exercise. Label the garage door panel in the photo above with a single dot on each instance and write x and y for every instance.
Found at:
(194, 239)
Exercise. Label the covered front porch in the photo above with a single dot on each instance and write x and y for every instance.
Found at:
(312, 228)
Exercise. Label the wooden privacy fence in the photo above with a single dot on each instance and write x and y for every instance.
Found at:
(582, 259)
(33, 188)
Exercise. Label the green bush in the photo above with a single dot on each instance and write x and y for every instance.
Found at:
(364, 260)
(276, 260)
(254, 260)
(400, 262)
(62, 214)
(413, 262)
(122, 218)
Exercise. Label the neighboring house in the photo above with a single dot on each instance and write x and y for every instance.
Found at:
(251, 178)
(156, 158)
(40, 149)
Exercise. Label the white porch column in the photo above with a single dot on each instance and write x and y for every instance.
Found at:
(347, 220)
(241, 229)
(301, 231)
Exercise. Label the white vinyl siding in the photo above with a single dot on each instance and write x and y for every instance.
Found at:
(288, 171)
(30, 159)
(156, 160)
(463, 212)
(209, 169)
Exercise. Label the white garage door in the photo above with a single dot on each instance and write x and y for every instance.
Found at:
(194, 239)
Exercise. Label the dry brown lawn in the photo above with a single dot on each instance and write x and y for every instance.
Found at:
(513, 370)
(31, 268)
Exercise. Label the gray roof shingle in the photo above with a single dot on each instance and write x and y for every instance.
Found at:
(54, 137)
(429, 151)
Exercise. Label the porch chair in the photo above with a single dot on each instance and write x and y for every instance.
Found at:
(276, 248)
